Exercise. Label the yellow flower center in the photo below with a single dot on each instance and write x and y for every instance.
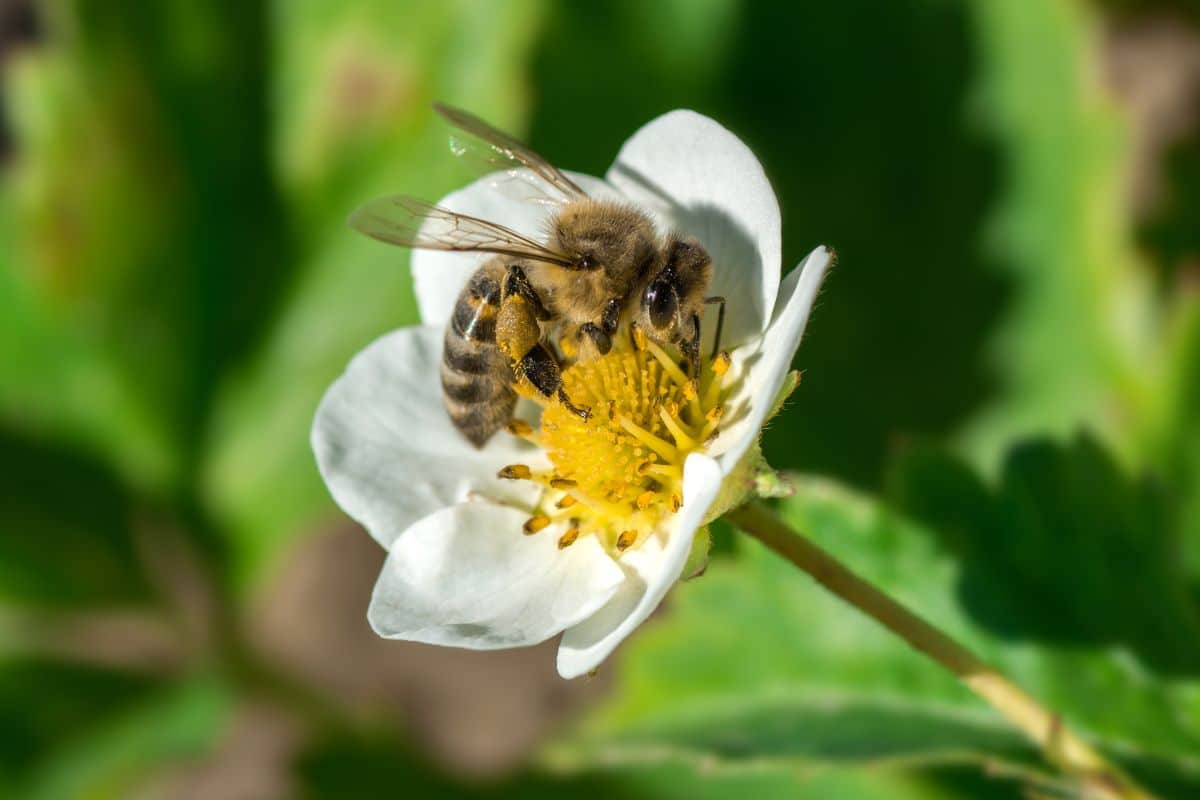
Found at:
(619, 474)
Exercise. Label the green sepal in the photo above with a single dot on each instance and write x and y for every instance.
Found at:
(790, 382)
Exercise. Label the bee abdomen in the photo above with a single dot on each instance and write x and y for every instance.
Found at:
(476, 378)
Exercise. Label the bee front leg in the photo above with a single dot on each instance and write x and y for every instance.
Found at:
(539, 367)
(602, 334)
(691, 349)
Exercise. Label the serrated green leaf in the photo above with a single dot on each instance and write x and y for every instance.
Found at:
(1077, 346)
(1051, 554)
(754, 653)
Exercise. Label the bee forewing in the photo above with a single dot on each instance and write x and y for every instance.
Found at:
(480, 142)
(410, 222)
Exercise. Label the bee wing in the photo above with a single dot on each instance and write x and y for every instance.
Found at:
(409, 222)
(501, 150)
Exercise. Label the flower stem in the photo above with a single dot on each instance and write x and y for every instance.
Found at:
(1060, 744)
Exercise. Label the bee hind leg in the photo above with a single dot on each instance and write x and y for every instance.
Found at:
(539, 367)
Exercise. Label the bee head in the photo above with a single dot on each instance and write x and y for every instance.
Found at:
(685, 272)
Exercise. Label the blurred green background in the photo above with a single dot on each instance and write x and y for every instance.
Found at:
(999, 420)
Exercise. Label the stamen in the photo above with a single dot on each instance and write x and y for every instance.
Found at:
(664, 449)
(720, 363)
(568, 538)
(668, 363)
(515, 472)
(681, 438)
(619, 474)
(518, 427)
(536, 523)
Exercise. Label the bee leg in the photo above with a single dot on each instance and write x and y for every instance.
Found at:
(691, 349)
(539, 367)
(517, 282)
(602, 334)
(720, 322)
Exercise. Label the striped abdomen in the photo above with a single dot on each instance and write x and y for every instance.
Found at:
(476, 377)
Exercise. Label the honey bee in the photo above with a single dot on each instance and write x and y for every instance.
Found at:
(602, 262)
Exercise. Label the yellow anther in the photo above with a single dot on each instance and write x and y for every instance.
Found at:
(714, 414)
(518, 427)
(515, 472)
(568, 538)
(535, 523)
(639, 337)
(721, 363)
(618, 476)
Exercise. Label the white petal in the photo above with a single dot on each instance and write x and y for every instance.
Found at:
(388, 451)
(762, 368)
(698, 177)
(467, 576)
(439, 276)
(650, 570)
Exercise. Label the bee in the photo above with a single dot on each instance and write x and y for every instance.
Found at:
(602, 262)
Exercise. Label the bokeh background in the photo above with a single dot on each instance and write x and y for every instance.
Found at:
(999, 420)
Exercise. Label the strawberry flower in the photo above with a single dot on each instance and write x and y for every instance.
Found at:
(561, 525)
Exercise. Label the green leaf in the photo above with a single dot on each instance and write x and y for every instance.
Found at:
(355, 83)
(73, 731)
(348, 767)
(1065, 531)
(1078, 344)
(754, 663)
(172, 726)
(68, 522)
(146, 221)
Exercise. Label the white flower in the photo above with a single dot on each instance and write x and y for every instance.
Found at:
(460, 570)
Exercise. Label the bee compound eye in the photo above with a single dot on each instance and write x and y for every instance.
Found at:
(587, 262)
(660, 304)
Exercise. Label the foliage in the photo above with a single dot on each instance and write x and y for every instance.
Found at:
(178, 287)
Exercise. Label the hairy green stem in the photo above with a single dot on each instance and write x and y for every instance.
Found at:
(1063, 747)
